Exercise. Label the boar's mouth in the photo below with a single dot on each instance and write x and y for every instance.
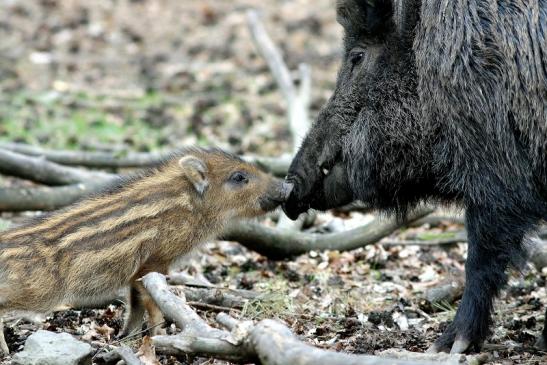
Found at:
(300, 201)
(328, 190)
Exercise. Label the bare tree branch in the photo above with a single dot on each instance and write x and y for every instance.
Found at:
(271, 55)
(274, 165)
(276, 345)
(47, 198)
(281, 243)
(43, 171)
(89, 159)
(175, 307)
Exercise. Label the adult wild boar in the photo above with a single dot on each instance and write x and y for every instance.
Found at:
(444, 101)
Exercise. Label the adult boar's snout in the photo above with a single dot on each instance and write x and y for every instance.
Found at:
(286, 189)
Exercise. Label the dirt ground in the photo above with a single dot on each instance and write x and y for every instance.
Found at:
(154, 74)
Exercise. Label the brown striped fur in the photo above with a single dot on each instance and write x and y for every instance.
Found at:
(83, 255)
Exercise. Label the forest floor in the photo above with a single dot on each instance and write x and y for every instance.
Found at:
(147, 75)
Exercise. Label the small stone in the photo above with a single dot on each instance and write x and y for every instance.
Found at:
(49, 348)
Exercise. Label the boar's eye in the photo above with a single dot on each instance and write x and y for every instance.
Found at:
(356, 57)
(239, 178)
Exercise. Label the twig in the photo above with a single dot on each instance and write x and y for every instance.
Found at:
(218, 296)
(213, 307)
(279, 243)
(111, 357)
(180, 278)
(43, 171)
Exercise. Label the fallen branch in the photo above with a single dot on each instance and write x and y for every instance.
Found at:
(281, 243)
(175, 307)
(269, 341)
(276, 345)
(48, 198)
(275, 165)
(43, 171)
(457, 238)
(196, 336)
(87, 158)
(297, 99)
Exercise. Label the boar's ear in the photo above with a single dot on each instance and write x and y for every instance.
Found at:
(407, 15)
(364, 17)
(196, 172)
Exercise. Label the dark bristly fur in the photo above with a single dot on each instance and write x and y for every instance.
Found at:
(84, 254)
(446, 101)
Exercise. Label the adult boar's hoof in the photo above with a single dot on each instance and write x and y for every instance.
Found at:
(454, 343)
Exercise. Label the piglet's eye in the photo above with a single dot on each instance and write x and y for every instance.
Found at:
(239, 177)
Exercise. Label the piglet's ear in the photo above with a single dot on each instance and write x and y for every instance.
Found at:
(195, 171)
(364, 17)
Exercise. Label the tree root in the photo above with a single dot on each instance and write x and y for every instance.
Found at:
(268, 342)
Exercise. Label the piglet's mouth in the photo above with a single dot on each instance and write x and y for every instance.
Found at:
(279, 196)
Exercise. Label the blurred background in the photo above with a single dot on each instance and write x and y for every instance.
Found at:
(147, 74)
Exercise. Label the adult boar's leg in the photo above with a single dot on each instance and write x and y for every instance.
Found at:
(495, 241)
